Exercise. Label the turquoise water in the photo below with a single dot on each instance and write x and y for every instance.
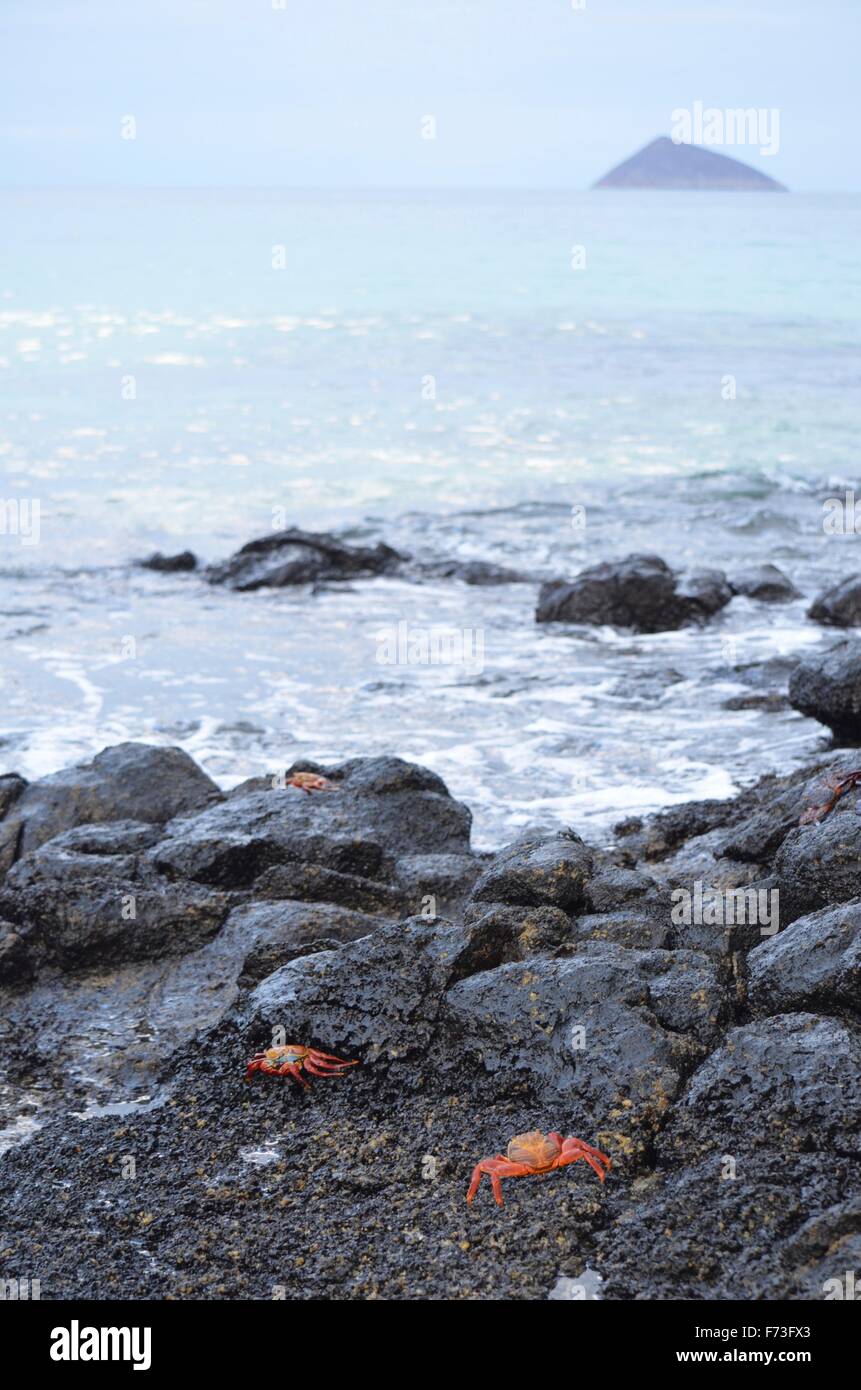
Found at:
(430, 370)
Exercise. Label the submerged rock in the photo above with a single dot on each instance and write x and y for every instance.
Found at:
(764, 582)
(170, 564)
(839, 606)
(641, 593)
(301, 557)
(475, 572)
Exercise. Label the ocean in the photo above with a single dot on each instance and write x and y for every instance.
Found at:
(544, 380)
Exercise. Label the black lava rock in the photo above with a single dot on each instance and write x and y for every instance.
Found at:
(301, 557)
(641, 593)
(827, 687)
(764, 582)
(839, 606)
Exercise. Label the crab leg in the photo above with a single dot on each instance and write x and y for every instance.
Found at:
(486, 1165)
(318, 1071)
(290, 1069)
(495, 1168)
(587, 1148)
(573, 1155)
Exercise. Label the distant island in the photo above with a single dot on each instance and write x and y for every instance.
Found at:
(664, 164)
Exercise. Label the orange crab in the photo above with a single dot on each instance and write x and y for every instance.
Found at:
(311, 782)
(288, 1061)
(535, 1153)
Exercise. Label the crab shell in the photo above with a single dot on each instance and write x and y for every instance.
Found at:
(291, 1053)
(311, 781)
(535, 1149)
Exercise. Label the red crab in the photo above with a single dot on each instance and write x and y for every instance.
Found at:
(288, 1061)
(534, 1153)
(311, 782)
(838, 787)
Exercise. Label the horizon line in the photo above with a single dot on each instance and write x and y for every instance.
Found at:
(389, 189)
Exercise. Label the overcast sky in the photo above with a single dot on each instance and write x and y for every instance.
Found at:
(313, 93)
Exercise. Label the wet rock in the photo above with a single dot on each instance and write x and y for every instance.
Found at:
(16, 964)
(476, 572)
(819, 865)
(412, 989)
(827, 687)
(757, 838)
(839, 606)
(772, 702)
(501, 934)
(301, 557)
(539, 872)
(312, 883)
(260, 937)
(381, 809)
(106, 1033)
(645, 928)
(129, 781)
(612, 886)
(744, 830)
(440, 882)
(612, 1031)
(170, 564)
(764, 582)
(825, 1254)
(640, 592)
(11, 787)
(656, 836)
(73, 906)
(791, 1082)
(727, 1227)
(767, 681)
(814, 965)
(733, 915)
(378, 997)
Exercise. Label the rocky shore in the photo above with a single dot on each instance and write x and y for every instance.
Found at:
(156, 932)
